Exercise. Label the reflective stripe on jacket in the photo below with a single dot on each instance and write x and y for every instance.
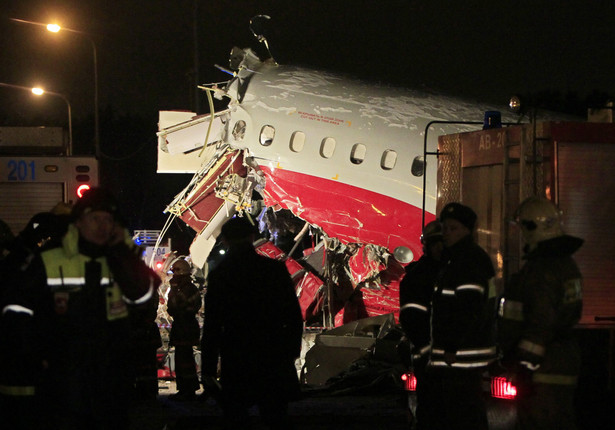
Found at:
(463, 314)
(66, 275)
(17, 390)
(415, 294)
(465, 358)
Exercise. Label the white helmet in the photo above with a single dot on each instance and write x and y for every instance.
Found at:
(539, 220)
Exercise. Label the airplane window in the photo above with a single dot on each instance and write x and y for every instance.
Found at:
(389, 157)
(297, 140)
(239, 131)
(327, 147)
(267, 135)
(357, 155)
(418, 166)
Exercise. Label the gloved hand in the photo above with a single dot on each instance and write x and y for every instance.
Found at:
(521, 377)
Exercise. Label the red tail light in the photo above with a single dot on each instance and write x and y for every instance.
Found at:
(82, 189)
(409, 381)
(501, 388)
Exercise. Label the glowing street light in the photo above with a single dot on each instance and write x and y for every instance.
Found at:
(39, 92)
(55, 28)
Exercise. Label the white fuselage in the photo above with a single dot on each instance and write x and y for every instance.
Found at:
(344, 155)
(347, 146)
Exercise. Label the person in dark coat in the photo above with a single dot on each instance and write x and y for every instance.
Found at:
(462, 325)
(183, 304)
(253, 324)
(69, 315)
(539, 309)
(20, 374)
(415, 294)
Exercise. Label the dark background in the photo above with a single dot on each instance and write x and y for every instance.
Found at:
(150, 52)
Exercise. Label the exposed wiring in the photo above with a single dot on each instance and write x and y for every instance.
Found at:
(211, 117)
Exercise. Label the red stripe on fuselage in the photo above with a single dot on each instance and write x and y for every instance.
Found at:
(352, 214)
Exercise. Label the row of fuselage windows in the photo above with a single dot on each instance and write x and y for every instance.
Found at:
(327, 148)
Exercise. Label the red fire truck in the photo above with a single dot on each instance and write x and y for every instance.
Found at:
(35, 175)
(571, 163)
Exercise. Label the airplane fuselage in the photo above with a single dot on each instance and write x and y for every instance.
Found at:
(341, 154)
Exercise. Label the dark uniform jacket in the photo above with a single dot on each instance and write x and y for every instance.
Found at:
(539, 309)
(253, 322)
(463, 314)
(71, 312)
(415, 292)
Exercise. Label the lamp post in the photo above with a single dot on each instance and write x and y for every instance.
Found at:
(39, 92)
(55, 28)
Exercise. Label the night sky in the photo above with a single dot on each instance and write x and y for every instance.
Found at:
(485, 50)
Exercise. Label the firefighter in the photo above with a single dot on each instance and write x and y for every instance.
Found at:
(462, 322)
(415, 292)
(19, 374)
(70, 315)
(253, 323)
(538, 311)
(183, 304)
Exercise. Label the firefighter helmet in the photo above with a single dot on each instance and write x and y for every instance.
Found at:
(539, 220)
(180, 267)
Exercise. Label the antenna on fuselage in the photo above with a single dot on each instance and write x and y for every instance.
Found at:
(257, 26)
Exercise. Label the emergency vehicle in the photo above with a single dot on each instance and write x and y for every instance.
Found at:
(571, 164)
(36, 175)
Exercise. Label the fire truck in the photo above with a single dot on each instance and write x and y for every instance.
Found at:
(36, 175)
(571, 163)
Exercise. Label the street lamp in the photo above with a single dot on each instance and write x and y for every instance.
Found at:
(39, 92)
(55, 28)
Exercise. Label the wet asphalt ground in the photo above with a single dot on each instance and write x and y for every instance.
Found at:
(385, 409)
(382, 409)
(374, 411)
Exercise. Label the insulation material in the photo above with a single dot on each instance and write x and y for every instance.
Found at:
(366, 263)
